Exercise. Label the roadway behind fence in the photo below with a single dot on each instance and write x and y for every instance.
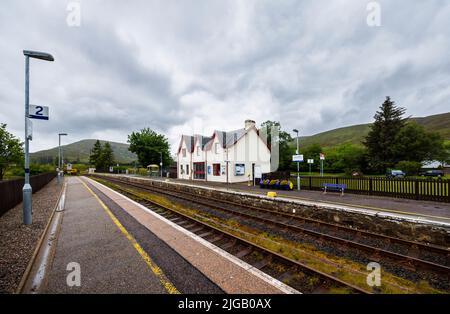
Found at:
(11, 190)
(418, 189)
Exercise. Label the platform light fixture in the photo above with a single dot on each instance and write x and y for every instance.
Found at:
(27, 190)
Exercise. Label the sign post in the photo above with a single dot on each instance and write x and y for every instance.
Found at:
(298, 158)
(310, 161)
(322, 158)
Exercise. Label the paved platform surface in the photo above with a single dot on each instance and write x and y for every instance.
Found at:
(109, 261)
(122, 247)
(432, 211)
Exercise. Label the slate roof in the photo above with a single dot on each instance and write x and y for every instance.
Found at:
(226, 139)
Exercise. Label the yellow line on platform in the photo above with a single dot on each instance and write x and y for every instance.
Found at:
(151, 264)
(351, 205)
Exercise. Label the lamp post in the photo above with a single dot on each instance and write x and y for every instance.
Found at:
(161, 163)
(60, 155)
(27, 190)
(298, 163)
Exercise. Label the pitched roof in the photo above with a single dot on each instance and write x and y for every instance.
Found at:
(189, 140)
(203, 139)
(226, 139)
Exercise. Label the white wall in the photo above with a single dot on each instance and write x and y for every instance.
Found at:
(249, 150)
(214, 158)
(184, 161)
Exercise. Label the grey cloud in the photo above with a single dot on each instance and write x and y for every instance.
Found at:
(167, 64)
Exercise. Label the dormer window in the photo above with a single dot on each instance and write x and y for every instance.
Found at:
(183, 151)
(198, 150)
(216, 148)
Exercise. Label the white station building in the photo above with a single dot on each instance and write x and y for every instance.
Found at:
(230, 157)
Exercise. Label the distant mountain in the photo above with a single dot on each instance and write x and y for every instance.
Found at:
(80, 151)
(355, 134)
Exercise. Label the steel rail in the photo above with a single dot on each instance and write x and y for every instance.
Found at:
(329, 279)
(415, 262)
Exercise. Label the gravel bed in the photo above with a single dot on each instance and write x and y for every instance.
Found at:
(18, 241)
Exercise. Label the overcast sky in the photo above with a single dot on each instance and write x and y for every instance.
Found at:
(195, 66)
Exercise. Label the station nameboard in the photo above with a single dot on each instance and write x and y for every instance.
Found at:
(297, 158)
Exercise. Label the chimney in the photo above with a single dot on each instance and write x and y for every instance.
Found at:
(249, 123)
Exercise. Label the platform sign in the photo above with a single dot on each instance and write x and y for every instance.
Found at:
(310, 161)
(38, 112)
(297, 158)
(69, 166)
(111, 169)
(239, 169)
(322, 156)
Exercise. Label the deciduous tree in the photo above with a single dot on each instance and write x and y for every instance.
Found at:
(11, 150)
(148, 146)
(284, 139)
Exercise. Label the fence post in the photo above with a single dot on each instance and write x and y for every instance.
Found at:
(370, 186)
(416, 187)
(310, 183)
(448, 191)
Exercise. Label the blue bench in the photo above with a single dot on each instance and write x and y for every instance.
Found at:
(334, 187)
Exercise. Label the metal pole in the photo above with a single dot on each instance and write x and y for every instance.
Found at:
(298, 167)
(321, 167)
(27, 190)
(62, 162)
(59, 152)
(59, 159)
(161, 163)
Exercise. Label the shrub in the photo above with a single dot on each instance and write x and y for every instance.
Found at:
(409, 167)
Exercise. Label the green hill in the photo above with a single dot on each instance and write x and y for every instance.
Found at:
(355, 134)
(79, 152)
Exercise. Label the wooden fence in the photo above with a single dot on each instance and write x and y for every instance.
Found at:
(11, 190)
(418, 189)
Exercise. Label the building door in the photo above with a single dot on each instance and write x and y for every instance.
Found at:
(199, 170)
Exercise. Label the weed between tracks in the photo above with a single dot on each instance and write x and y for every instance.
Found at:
(346, 270)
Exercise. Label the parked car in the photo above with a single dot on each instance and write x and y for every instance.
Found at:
(433, 173)
(395, 174)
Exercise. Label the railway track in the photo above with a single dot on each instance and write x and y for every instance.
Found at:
(410, 259)
(351, 239)
(296, 274)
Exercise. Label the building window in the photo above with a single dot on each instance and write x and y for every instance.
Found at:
(183, 151)
(216, 169)
(198, 150)
(187, 169)
(181, 169)
(216, 148)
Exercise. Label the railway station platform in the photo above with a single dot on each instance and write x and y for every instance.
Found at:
(111, 244)
(420, 211)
